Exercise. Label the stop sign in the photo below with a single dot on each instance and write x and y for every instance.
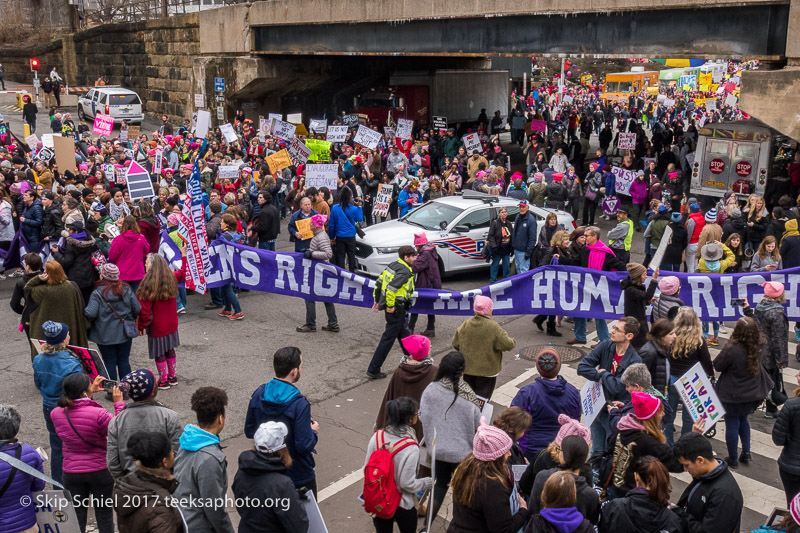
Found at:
(717, 166)
(743, 168)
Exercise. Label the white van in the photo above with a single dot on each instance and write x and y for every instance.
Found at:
(120, 103)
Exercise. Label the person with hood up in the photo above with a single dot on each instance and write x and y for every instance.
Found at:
(482, 341)
(319, 248)
(559, 513)
(673, 255)
(483, 487)
(52, 223)
(573, 460)
(735, 223)
(151, 482)
(128, 251)
(637, 298)
(771, 317)
(279, 400)
(263, 475)
(536, 190)
(645, 508)
(556, 192)
(713, 500)
(200, 464)
(549, 399)
(426, 268)
(415, 372)
(605, 364)
(398, 437)
(639, 193)
(669, 299)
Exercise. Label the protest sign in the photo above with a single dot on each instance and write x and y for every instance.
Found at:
(320, 150)
(720, 89)
(367, 137)
(203, 123)
(383, 200)
(316, 524)
(660, 98)
(669, 102)
(472, 142)
(274, 116)
(139, 184)
(731, 100)
(433, 480)
(688, 80)
(64, 149)
(90, 359)
(440, 123)
(193, 225)
(133, 132)
(228, 132)
(487, 409)
(627, 141)
(103, 124)
(568, 99)
(318, 125)
(45, 154)
(32, 140)
(655, 262)
(157, 163)
(610, 205)
(279, 161)
(704, 78)
(263, 127)
(699, 397)
(711, 104)
(199, 100)
(298, 151)
(351, 121)
(123, 134)
(593, 401)
(390, 133)
(300, 129)
(716, 77)
(538, 125)
(702, 122)
(228, 172)
(623, 181)
(303, 226)
(55, 512)
(294, 118)
(322, 176)
(128, 153)
(404, 128)
(336, 134)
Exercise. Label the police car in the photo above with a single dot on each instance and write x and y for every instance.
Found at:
(120, 103)
(458, 225)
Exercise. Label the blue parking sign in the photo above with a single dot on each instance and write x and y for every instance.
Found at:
(219, 84)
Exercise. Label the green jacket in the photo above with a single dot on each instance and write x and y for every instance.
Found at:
(657, 228)
(395, 286)
(536, 193)
(482, 341)
(451, 145)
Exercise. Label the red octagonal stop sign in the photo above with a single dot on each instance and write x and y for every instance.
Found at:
(717, 166)
(743, 168)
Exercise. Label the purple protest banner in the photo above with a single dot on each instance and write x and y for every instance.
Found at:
(610, 205)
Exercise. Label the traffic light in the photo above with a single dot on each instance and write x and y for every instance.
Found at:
(34, 64)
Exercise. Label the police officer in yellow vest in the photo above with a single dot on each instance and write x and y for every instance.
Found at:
(621, 237)
(393, 292)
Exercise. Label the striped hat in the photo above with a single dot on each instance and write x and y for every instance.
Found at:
(794, 508)
(711, 216)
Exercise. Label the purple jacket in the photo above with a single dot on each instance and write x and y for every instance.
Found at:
(639, 191)
(91, 421)
(426, 267)
(545, 399)
(13, 516)
(129, 251)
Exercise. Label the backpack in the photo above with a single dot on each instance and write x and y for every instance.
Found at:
(381, 495)
(612, 466)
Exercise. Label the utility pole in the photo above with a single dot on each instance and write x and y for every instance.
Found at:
(561, 82)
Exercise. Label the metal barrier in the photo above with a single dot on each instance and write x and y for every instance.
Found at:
(137, 10)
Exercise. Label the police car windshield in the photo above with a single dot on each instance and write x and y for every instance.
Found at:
(431, 215)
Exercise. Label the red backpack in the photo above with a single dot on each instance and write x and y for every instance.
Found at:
(381, 495)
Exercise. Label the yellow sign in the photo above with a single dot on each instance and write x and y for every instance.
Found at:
(279, 161)
(715, 184)
(704, 88)
(699, 101)
(304, 228)
(687, 87)
(704, 79)
(300, 129)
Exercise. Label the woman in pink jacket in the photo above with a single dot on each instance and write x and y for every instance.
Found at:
(639, 191)
(129, 251)
(82, 425)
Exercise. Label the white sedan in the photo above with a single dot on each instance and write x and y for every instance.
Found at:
(459, 225)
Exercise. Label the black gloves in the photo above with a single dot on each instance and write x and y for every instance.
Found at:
(307, 254)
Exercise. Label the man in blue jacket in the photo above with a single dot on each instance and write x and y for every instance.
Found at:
(606, 364)
(279, 400)
(524, 239)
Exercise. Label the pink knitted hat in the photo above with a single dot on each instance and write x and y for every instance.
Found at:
(490, 442)
(420, 239)
(318, 221)
(482, 305)
(418, 346)
(645, 406)
(772, 289)
(570, 426)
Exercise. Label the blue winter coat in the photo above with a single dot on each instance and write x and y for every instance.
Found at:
(544, 400)
(525, 232)
(33, 215)
(609, 180)
(343, 224)
(603, 357)
(13, 516)
(280, 401)
(403, 197)
(49, 370)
